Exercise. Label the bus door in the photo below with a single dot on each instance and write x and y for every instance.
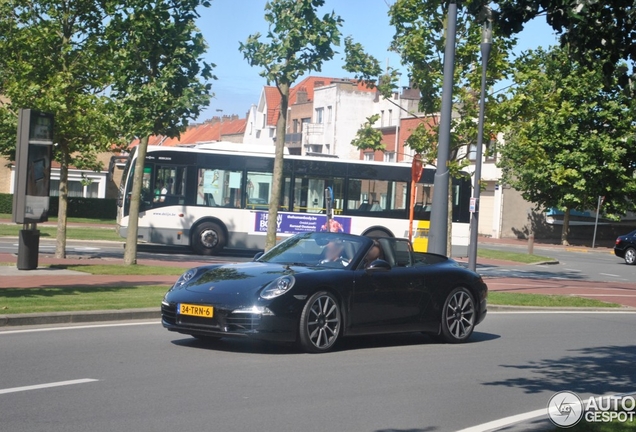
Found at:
(169, 185)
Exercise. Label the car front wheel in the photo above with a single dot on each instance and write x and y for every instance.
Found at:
(458, 316)
(320, 323)
(630, 256)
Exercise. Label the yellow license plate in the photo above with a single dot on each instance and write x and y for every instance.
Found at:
(195, 310)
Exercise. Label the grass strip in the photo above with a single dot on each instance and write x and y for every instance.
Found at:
(9, 216)
(39, 300)
(120, 269)
(541, 300)
(511, 256)
(75, 233)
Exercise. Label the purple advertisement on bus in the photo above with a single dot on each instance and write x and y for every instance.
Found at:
(294, 223)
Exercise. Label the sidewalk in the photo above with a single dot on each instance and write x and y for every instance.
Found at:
(42, 277)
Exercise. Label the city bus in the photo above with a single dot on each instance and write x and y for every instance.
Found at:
(214, 196)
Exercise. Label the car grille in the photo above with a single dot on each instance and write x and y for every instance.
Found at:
(223, 321)
(242, 321)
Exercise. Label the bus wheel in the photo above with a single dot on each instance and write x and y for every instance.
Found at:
(208, 239)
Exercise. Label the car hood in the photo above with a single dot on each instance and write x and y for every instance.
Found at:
(238, 279)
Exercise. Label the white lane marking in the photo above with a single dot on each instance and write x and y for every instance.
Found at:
(573, 270)
(506, 421)
(48, 385)
(609, 274)
(86, 248)
(82, 327)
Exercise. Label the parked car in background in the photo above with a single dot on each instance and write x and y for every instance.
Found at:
(625, 247)
(317, 287)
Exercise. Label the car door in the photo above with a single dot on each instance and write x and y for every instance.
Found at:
(386, 300)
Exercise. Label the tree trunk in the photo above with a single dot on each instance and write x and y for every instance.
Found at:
(130, 251)
(277, 180)
(60, 238)
(566, 227)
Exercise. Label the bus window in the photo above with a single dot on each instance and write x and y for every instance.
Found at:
(259, 187)
(377, 197)
(219, 187)
(309, 194)
(169, 188)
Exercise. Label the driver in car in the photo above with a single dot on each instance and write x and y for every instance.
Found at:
(334, 253)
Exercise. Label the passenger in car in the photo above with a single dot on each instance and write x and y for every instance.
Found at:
(374, 253)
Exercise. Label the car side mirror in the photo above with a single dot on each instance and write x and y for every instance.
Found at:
(258, 255)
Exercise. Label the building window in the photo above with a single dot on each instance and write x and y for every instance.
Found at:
(368, 156)
(389, 157)
(390, 119)
(319, 115)
(382, 118)
(329, 114)
(491, 151)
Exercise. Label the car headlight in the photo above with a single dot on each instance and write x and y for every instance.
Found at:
(278, 287)
(185, 278)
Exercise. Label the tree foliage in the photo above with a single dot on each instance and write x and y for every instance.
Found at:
(570, 138)
(368, 137)
(595, 31)
(106, 70)
(159, 81)
(52, 59)
(298, 41)
(420, 38)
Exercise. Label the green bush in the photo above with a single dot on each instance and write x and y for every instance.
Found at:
(6, 203)
(90, 208)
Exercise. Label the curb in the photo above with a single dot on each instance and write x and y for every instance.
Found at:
(78, 317)
(507, 308)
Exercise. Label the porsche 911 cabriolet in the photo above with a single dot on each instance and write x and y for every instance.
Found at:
(315, 288)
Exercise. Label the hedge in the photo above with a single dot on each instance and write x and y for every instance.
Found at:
(90, 208)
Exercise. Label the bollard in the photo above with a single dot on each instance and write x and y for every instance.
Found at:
(531, 244)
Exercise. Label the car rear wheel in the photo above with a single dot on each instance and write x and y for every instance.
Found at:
(320, 323)
(458, 316)
(208, 239)
(630, 256)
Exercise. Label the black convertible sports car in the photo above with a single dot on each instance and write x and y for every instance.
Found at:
(316, 287)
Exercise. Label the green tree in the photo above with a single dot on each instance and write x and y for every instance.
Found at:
(52, 59)
(159, 78)
(595, 31)
(571, 138)
(299, 41)
(420, 38)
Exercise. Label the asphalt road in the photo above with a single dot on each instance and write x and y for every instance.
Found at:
(139, 377)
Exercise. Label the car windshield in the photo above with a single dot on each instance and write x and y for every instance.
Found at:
(334, 250)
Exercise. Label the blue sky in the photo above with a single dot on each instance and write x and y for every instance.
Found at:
(226, 22)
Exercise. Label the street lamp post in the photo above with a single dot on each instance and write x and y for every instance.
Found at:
(486, 43)
(438, 231)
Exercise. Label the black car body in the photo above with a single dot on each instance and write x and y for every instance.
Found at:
(625, 247)
(292, 294)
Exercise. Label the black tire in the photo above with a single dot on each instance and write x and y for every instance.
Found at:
(320, 323)
(208, 239)
(458, 316)
(630, 256)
